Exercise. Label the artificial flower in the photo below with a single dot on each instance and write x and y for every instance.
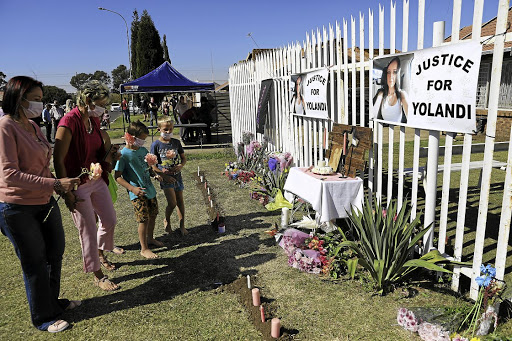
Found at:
(151, 159)
(95, 171)
(272, 164)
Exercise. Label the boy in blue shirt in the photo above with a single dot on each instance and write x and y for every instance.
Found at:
(167, 149)
(132, 172)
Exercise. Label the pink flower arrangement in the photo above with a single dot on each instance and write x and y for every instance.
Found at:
(432, 332)
(427, 331)
(407, 320)
(151, 159)
(129, 138)
(252, 147)
(95, 171)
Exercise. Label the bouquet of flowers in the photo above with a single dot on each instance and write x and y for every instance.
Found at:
(426, 330)
(483, 312)
(250, 153)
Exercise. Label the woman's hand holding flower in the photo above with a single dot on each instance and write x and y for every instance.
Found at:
(69, 183)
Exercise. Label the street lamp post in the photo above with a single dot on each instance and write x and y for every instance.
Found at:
(127, 37)
(129, 52)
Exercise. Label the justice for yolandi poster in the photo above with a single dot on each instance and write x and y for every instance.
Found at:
(309, 94)
(432, 89)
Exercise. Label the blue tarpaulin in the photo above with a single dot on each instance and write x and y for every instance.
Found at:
(165, 78)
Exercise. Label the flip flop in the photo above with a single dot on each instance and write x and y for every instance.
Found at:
(118, 250)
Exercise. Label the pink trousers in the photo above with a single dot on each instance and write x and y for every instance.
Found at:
(96, 201)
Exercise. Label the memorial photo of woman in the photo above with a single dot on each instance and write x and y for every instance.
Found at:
(298, 104)
(391, 102)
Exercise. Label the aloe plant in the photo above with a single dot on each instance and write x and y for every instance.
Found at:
(385, 241)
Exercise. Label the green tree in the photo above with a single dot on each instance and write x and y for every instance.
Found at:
(79, 80)
(52, 93)
(101, 76)
(2, 80)
(149, 51)
(166, 50)
(134, 35)
(120, 75)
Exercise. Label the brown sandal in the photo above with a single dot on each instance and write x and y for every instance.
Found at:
(107, 264)
(105, 284)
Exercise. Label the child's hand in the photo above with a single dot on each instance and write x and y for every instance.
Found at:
(176, 169)
(139, 191)
(165, 171)
(168, 179)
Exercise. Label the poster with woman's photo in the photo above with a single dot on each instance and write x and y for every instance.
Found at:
(391, 81)
(309, 94)
(432, 89)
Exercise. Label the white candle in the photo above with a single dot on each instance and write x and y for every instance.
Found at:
(201, 178)
(211, 203)
(197, 170)
(208, 189)
(248, 281)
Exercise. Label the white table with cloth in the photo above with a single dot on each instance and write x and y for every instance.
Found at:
(330, 195)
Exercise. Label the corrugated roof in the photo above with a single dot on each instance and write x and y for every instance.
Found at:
(488, 29)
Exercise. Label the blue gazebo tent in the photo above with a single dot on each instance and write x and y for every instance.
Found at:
(164, 79)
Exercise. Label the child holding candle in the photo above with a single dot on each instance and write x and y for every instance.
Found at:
(167, 149)
(132, 172)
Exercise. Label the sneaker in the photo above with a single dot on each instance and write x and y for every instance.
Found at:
(58, 326)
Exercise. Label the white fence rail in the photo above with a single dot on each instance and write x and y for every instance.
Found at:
(348, 59)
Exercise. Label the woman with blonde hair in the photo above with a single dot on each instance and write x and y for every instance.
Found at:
(78, 144)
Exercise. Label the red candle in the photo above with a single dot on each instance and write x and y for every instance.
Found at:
(275, 330)
(262, 312)
(256, 297)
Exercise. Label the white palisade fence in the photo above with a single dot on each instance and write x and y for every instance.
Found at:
(348, 59)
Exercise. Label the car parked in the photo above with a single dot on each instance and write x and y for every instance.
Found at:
(115, 107)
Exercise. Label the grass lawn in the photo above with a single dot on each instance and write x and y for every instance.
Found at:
(175, 297)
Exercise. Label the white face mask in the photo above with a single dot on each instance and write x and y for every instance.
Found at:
(97, 112)
(166, 136)
(139, 142)
(34, 109)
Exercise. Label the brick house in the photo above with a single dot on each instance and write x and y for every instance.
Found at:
(504, 120)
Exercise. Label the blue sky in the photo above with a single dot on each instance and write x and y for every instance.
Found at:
(53, 40)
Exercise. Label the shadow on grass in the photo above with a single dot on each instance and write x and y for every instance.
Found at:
(204, 268)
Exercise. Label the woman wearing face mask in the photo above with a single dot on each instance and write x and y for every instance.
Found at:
(26, 188)
(78, 143)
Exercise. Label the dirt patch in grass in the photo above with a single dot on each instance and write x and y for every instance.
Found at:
(244, 295)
